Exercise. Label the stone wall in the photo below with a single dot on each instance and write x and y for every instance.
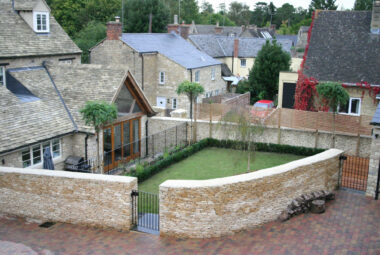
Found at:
(77, 198)
(374, 163)
(216, 207)
(37, 61)
(271, 135)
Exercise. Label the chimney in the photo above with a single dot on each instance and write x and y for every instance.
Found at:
(218, 29)
(242, 28)
(114, 29)
(236, 48)
(184, 31)
(375, 22)
(174, 27)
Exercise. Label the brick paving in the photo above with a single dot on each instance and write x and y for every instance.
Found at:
(350, 225)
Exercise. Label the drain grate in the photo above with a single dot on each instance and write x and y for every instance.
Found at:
(46, 224)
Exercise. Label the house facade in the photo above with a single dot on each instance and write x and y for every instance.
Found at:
(343, 58)
(30, 35)
(160, 62)
(40, 108)
(238, 54)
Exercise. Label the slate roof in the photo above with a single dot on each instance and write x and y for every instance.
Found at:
(24, 123)
(19, 40)
(222, 46)
(25, 5)
(172, 46)
(343, 49)
(210, 29)
(376, 118)
(293, 38)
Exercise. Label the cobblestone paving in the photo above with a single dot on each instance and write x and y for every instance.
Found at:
(350, 225)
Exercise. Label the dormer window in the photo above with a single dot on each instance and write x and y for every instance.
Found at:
(41, 22)
(2, 75)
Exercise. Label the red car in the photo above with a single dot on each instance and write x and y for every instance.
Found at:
(262, 108)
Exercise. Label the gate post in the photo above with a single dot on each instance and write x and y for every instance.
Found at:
(341, 159)
(377, 184)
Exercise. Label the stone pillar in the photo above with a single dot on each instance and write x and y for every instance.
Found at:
(373, 162)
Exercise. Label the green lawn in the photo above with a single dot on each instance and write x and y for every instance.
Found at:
(212, 163)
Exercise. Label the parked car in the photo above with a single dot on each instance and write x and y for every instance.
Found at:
(262, 108)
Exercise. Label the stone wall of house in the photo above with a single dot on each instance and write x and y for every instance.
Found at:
(216, 207)
(77, 198)
(368, 105)
(374, 163)
(271, 135)
(37, 61)
(14, 158)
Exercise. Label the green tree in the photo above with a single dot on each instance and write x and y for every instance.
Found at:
(322, 5)
(97, 114)
(333, 95)
(239, 13)
(213, 18)
(192, 90)
(263, 77)
(187, 10)
(207, 7)
(363, 5)
(260, 14)
(137, 16)
(285, 14)
(88, 37)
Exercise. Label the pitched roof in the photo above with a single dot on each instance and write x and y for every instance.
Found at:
(210, 29)
(19, 40)
(343, 49)
(24, 123)
(376, 118)
(25, 5)
(172, 46)
(223, 46)
(293, 38)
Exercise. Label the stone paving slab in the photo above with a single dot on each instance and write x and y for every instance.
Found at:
(350, 225)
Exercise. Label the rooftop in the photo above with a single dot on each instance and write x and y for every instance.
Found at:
(170, 45)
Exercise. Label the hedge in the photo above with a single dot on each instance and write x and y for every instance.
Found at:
(143, 173)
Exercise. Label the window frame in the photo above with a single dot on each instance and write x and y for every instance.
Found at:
(35, 25)
(349, 111)
(213, 71)
(2, 72)
(197, 76)
(161, 81)
(245, 62)
(29, 151)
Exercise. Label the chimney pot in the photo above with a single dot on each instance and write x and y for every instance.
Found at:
(217, 23)
(175, 19)
(117, 19)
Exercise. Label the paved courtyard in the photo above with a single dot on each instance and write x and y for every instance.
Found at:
(351, 225)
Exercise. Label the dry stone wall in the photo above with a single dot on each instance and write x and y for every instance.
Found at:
(78, 198)
(217, 207)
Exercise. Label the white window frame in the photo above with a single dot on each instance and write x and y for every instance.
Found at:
(2, 73)
(197, 76)
(161, 75)
(245, 62)
(40, 145)
(35, 25)
(350, 105)
(174, 103)
(213, 70)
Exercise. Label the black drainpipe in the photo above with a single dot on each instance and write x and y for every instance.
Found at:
(142, 71)
(233, 56)
(146, 140)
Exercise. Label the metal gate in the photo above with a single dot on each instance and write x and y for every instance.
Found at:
(145, 212)
(354, 173)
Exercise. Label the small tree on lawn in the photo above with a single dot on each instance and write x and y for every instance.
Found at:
(332, 95)
(263, 77)
(192, 90)
(239, 124)
(97, 114)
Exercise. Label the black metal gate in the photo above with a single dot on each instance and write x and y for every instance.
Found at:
(354, 173)
(145, 212)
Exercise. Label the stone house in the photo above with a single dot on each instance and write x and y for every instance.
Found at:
(30, 35)
(40, 108)
(349, 56)
(374, 163)
(159, 62)
(238, 54)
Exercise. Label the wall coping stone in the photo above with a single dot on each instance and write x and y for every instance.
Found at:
(331, 153)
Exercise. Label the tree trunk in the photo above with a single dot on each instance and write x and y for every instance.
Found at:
(97, 152)
(195, 122)
(333, 145)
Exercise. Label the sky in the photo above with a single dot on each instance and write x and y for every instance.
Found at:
(347, 4)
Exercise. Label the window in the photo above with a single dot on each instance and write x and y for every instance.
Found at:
(174, 103)
(213, 73)
(352, 107)
(162, 78)
(2, 75)
(41, 22)
(197, 76)
(66, 61)
(243, 62)
(34, 154)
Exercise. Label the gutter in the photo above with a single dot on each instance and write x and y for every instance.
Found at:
(60, 97)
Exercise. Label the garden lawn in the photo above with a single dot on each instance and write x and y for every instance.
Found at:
(212, 163)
